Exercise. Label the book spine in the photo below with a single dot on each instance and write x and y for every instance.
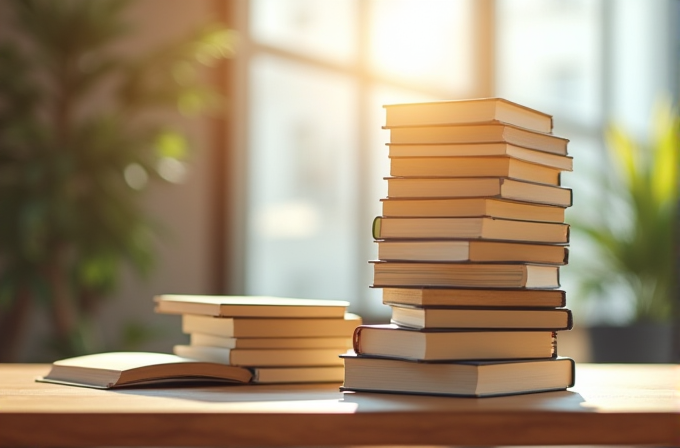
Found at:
(377, 222)
(356, 345)
(554, 344)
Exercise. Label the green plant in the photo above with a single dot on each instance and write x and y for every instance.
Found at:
(81, 130)
(636, 226)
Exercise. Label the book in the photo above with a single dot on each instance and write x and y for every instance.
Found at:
(480, 133)
(470, 228)
(485, 276)
(278, 343)
(489, 187)
(473, 167)
(242, 327)
(466, 111)
(465, 378)
(406, 343)
(121, 369)
(475, 251)
(272, 375)
(454, 297)
(249, 306)
(462, 318)
(262, 357)
(561, 162)
(471, 207)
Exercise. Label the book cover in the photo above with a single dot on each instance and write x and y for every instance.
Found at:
(249, 306)
(461, 297)
(482, 318)
(466, 111)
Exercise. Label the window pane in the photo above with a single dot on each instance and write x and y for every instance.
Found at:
(302, 238)
(643, 52)
(549, 57)
(427, 42)
(320, 29)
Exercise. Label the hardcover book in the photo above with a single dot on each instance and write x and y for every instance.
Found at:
(474, 251)
(470, 228)
(480, 133)
(469, 318)
(470, 208)
(464, 379)
(473, 167)
(393, 341)
(461, 297)
(477, 187)
(462, 275)
(249, 306)
(466, 111)
(244, 327)
(565, 163)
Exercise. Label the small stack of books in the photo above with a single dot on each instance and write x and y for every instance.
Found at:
(280, 340)
(470, 242)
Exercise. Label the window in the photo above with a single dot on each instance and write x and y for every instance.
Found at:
(316, 74)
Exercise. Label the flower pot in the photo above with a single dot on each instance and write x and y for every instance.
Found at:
(634, 343)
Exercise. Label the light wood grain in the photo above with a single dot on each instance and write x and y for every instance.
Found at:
(610, 404)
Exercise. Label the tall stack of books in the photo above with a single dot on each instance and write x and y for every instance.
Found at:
(470, 242)
(280, 340)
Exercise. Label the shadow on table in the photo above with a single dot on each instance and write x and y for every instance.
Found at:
(548, 401)
(220, 392)
(360, 401)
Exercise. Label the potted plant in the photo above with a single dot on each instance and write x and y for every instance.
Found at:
(79, 138)
(634, 234)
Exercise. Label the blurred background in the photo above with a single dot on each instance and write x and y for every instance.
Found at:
(273, 188)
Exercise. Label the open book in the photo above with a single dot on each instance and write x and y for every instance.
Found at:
(121, 369)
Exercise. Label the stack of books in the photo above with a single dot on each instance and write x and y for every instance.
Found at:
(470, 243)
(280, 340)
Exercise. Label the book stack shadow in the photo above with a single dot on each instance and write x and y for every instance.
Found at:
(470, 243)
(280, 340)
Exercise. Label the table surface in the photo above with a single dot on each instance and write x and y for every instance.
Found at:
(609, 405)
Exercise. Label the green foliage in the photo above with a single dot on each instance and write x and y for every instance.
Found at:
(636, 233)
(77, 142)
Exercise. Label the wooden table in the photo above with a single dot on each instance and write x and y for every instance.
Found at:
(610, 405)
